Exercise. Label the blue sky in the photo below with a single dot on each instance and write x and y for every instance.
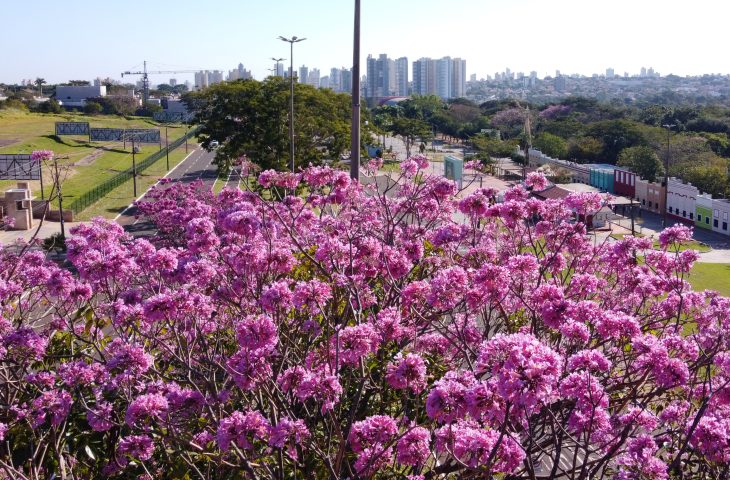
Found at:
(82, 39)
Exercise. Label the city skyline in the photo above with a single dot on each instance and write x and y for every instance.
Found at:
(525, 35)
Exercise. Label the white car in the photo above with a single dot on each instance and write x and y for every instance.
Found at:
(214, 144)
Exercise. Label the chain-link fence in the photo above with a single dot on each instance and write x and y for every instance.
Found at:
(82, 202)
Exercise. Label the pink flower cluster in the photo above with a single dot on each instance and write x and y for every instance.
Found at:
(342, 332)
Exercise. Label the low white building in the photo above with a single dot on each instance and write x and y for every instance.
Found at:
(682, 200)
(77, 95)
(720, 214)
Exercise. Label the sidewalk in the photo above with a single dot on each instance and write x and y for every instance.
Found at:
(46, 230)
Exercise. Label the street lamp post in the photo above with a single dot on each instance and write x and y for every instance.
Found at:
(291, 42)
(276, 68)
(355, 128)
(665, 220)
(167, 149)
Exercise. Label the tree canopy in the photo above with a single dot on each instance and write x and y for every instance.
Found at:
(249, 117)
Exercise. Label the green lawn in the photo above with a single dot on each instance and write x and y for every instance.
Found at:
(119, 198)
(22, 132)
(693, 245)
(711, 276)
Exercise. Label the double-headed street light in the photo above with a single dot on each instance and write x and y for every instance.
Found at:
(291, 42)
(276, 69)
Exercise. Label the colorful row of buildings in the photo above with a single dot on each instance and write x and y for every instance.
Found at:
(685, 202)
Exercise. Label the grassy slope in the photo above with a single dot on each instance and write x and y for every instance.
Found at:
(119, 198)
(711, 276)
(31, 131)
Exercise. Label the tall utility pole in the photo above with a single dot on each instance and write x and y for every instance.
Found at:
(167, 149)
(528, 142)
(60, 197)
(291, 42)
(134, 169)
(665, 220)
(355, 128)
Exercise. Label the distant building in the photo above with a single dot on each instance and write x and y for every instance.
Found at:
(609, 73)
(444, 81)
(313, 77)
(324, 82)
(76, 95)
(380, 77)
(458, 78)
(424, 77)
(560, 83)
(401, 76)
(303, 74)
(172, 82)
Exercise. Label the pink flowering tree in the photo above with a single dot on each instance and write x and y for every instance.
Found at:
(347, 333)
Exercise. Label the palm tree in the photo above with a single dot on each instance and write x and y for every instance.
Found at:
(40, 82)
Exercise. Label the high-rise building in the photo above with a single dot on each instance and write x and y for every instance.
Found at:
(458, 78)
(643, 71)
(401, 77)
(609, 73)
(560, 83)
(335, 80)
(279, 69)
(444, 68)
(313, 77)
(381, 77)
(303, 74)
(172, 82)
(345, 80)
(324, 82)
(473, 77)
(424, 76)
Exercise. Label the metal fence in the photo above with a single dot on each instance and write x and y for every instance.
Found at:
(84, 201)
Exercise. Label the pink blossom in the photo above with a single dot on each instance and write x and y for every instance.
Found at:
(242, 429)
(408, 372)
(413, 447)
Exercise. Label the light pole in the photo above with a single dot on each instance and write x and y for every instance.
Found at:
(665, 220)
(276, 68)
(134, 168)
(355, 128)
(167, 149)
(291, 42)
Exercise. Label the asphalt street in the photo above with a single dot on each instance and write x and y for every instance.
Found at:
(198, 165)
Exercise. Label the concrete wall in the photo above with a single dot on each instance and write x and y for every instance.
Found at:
(578, 173)
(703, 211)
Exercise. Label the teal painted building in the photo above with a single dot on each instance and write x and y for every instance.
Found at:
(601, 177)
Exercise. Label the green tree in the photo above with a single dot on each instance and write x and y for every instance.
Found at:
(615, 136)
(585, 149)
(251, 117)
(39, 82)
(92, 108)
(410, 130)
(51, 106)
(643, 161)
(551, 145)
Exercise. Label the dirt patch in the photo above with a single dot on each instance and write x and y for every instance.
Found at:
(4, 142)
(89, 159)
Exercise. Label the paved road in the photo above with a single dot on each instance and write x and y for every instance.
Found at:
(198, 165)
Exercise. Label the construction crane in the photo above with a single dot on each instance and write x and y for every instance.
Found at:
(146, 80)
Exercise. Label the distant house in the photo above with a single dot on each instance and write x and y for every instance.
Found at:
(77, 95)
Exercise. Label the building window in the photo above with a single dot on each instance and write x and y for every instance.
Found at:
(699, 217)
(707, 220)
(684, 213)
(714, 223)
(691, 216)
(650, 205)
(724, 225)
(643, 201)
(715, 213)
(724, 215)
